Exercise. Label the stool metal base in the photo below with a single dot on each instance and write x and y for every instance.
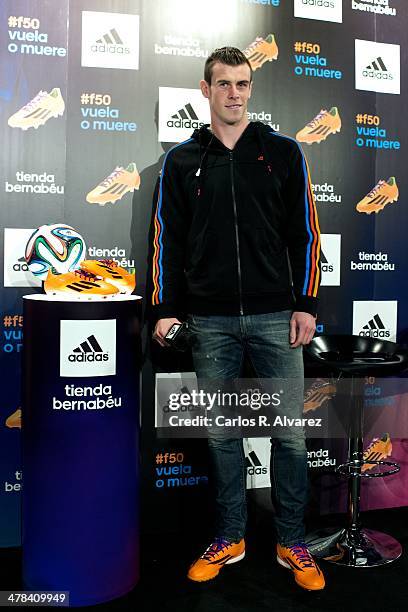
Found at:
(353, 548)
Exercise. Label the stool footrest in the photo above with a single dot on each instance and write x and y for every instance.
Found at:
(353, 468)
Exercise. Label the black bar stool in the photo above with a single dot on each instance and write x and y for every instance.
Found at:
(349, 358)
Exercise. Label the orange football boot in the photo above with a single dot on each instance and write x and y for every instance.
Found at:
(319, 128)
(321, 391)
(221, 552)
(261, 50)
(109, 270)
(297, 558)
(14, 420)
(78, 283)
(380, 448)
(382, 194)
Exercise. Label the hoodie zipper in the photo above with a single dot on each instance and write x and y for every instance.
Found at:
(234, 202)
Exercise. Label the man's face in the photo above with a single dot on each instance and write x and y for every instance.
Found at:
(228, 93)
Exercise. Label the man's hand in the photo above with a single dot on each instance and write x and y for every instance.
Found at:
(302, 328)
(161, 329)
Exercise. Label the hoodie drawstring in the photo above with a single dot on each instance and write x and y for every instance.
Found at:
(201, 159)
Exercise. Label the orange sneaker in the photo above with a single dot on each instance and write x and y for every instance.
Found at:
(321, 391)
(380, 448)
(261, 50)
(111, 273)
(297, 558)
(115, 186)
(221, 552)
(78, 283)
(14, 420)
(382, 194)
(319, 128)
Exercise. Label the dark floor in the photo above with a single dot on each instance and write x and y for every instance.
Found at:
(257, 583)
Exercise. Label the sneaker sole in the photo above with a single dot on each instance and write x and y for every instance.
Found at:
(303, 586)
(234, 560)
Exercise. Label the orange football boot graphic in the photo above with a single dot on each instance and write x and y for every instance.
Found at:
(319, 128)
(261, 50)
(321, 391)
(297, 558)
(221, 552)
(78, 283)
(14, 420)
(109, 270)
(115, 186)
(380, 448)
(382, 194)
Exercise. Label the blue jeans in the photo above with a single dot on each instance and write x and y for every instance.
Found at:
(219, 346)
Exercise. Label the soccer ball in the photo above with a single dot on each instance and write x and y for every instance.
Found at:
(56, 246)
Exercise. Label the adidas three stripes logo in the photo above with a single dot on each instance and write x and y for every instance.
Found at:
(90, 345)
(111, 38)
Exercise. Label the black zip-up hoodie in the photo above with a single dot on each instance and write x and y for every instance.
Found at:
(234, 231)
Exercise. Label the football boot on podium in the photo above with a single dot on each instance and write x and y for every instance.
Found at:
(111, 273)
(79, 283)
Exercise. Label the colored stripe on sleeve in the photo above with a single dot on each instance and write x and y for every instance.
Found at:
(312, 268)
(157, 267)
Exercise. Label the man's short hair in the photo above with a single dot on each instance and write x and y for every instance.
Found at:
(231, 56)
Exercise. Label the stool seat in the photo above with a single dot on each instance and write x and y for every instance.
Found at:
(356, 355)
(351, 358)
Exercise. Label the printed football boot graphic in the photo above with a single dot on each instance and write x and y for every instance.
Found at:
(115, 186)
(297, 558)
(109, 271)
(320, 127)
(378, 449)
(382, 194)
(261, 50)
(320, 392)
(220, 552)
(78, 283)
(14, 420)
(41, 108)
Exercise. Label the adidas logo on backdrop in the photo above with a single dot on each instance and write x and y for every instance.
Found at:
(375, 328)
(377, 69)
(253, 464)
(186, 117)
(110, 42)
(326, 266)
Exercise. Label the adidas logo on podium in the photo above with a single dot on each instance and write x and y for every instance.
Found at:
(253, 464)
(186, 117)
(89, 350)
(377, 69)
(375, 328)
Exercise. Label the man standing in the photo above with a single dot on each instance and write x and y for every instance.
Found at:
(234, 248)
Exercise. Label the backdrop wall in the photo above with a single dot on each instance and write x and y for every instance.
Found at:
(110, 85)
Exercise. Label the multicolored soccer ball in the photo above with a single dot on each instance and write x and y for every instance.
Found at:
(56, 246)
